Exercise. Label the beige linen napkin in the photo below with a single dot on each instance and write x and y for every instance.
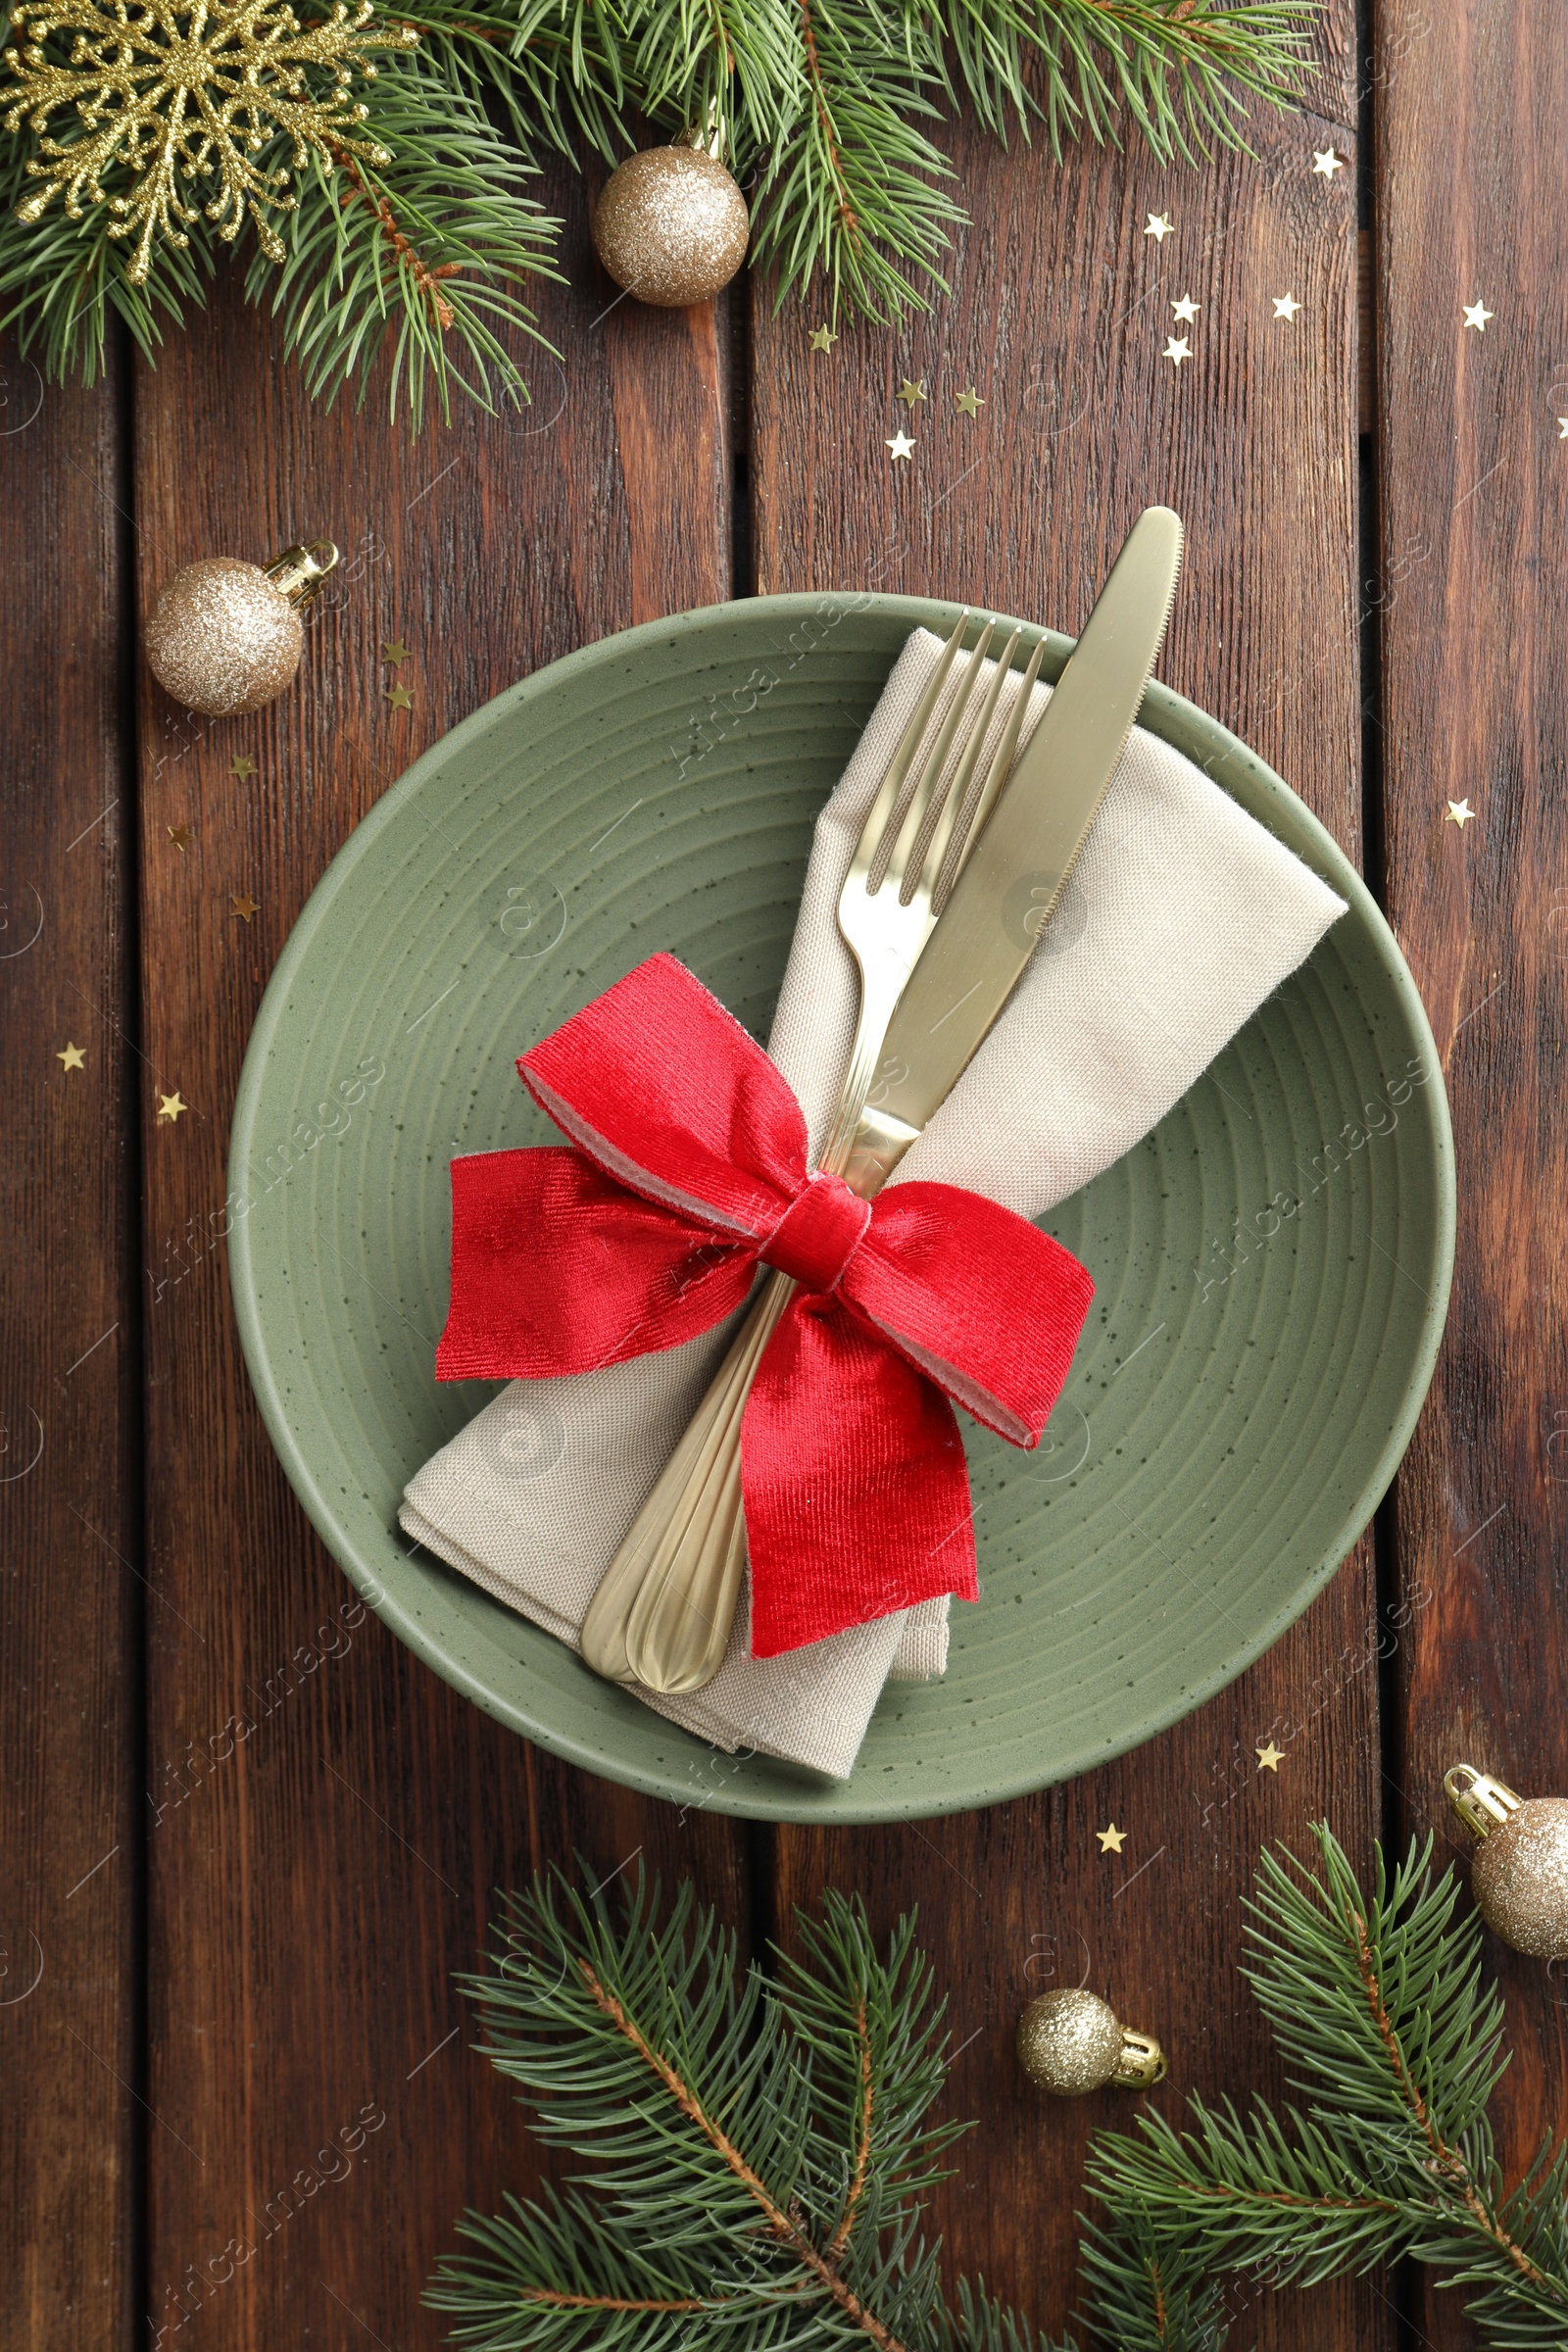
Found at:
(1181, 916)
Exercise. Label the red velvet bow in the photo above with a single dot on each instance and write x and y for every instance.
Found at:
(689, 1169)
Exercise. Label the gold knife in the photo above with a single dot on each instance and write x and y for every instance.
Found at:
(1013, 877)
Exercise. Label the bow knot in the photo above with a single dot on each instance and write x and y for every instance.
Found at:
(689, 1170)
(818, 1232)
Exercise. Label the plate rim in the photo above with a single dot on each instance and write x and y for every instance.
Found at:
(1164, 713)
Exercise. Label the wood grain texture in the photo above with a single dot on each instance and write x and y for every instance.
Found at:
(1473, 205)
(70, 1599)
(330, 1820)
(1059, 314)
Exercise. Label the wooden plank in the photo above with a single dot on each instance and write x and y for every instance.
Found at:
(313, 1885)
(1058, 317)
(71, 1617)
(1472, 205)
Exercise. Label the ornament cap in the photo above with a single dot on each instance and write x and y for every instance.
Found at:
(302, 571)
(1141, 2063)
(1480, 1801)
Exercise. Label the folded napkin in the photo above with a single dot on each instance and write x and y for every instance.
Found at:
(1181, 916)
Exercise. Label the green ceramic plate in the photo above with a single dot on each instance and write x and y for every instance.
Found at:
(1272, 1264)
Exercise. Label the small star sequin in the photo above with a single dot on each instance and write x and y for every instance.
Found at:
(400, 698)
(1186, 310)
(245, 907)
(823, 337)
(181, 836)
(1159, 228)
(1286, 307)
(1328, 163)
(1562, 429)
(397, 652)
(242, 765)
(1112, 1841)
(73, 1057)
(1459, 813)
(902, 446)
(1177, 348)
(1476, 315)
(910, 392)
(1270, 1758)
(970, 401)
(170, 1106)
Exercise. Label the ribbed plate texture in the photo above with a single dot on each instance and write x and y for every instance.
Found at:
(1271, 1264)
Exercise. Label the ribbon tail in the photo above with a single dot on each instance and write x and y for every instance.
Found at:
(856, 1486)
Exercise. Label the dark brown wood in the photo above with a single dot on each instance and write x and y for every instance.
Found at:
(1472, 205)
(71, 1614)
(312, 1886)
(1059, 312)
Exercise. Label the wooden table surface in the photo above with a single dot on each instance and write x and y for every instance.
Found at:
(216, 1956)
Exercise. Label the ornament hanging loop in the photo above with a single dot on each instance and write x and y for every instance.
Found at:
(1480, 1801)
(302, 571)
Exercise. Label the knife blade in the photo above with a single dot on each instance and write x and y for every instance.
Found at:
(1013, 878)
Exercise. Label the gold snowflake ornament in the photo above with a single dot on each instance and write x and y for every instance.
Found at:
(172, 93)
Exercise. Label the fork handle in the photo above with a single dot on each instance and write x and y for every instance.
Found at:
(663, 1613)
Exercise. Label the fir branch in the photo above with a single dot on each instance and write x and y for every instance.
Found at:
(853, 192)
(419, 260)
(759, 2149)
(1379, 2003)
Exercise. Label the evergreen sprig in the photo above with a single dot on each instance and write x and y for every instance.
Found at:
(759, 2147)
(1381, 2010)
(825, 108)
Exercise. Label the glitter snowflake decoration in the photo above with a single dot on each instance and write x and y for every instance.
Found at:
(172, 93)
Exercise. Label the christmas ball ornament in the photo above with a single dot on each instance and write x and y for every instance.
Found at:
(224, 637)
(1520, 1874)
(671, 226)
(1071, 2043)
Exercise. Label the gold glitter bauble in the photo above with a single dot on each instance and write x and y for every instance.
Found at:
(225, 636)
(1072, 2042)
(671, 226)
(1519, 1878)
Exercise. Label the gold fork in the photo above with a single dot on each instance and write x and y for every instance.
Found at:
(663, 1613)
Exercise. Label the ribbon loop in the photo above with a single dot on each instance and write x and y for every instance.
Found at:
(818, 1232)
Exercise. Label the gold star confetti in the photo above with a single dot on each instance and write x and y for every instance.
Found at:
(1159, 228)
(1328, 163)
(1459, 813)
(245, 907)
(397, 652)
(1271, 1758)
(970, 401)
(1186, 310)
(1112, 1841)
(823, 337)
(400, 698)
(910, 393)
(1286, 307)
(170, 1106)
(242, 766)
(181, 836)
(1562, 429)
(1476, 315)
(901, 445)
(71, 1057)
(1177, 348)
